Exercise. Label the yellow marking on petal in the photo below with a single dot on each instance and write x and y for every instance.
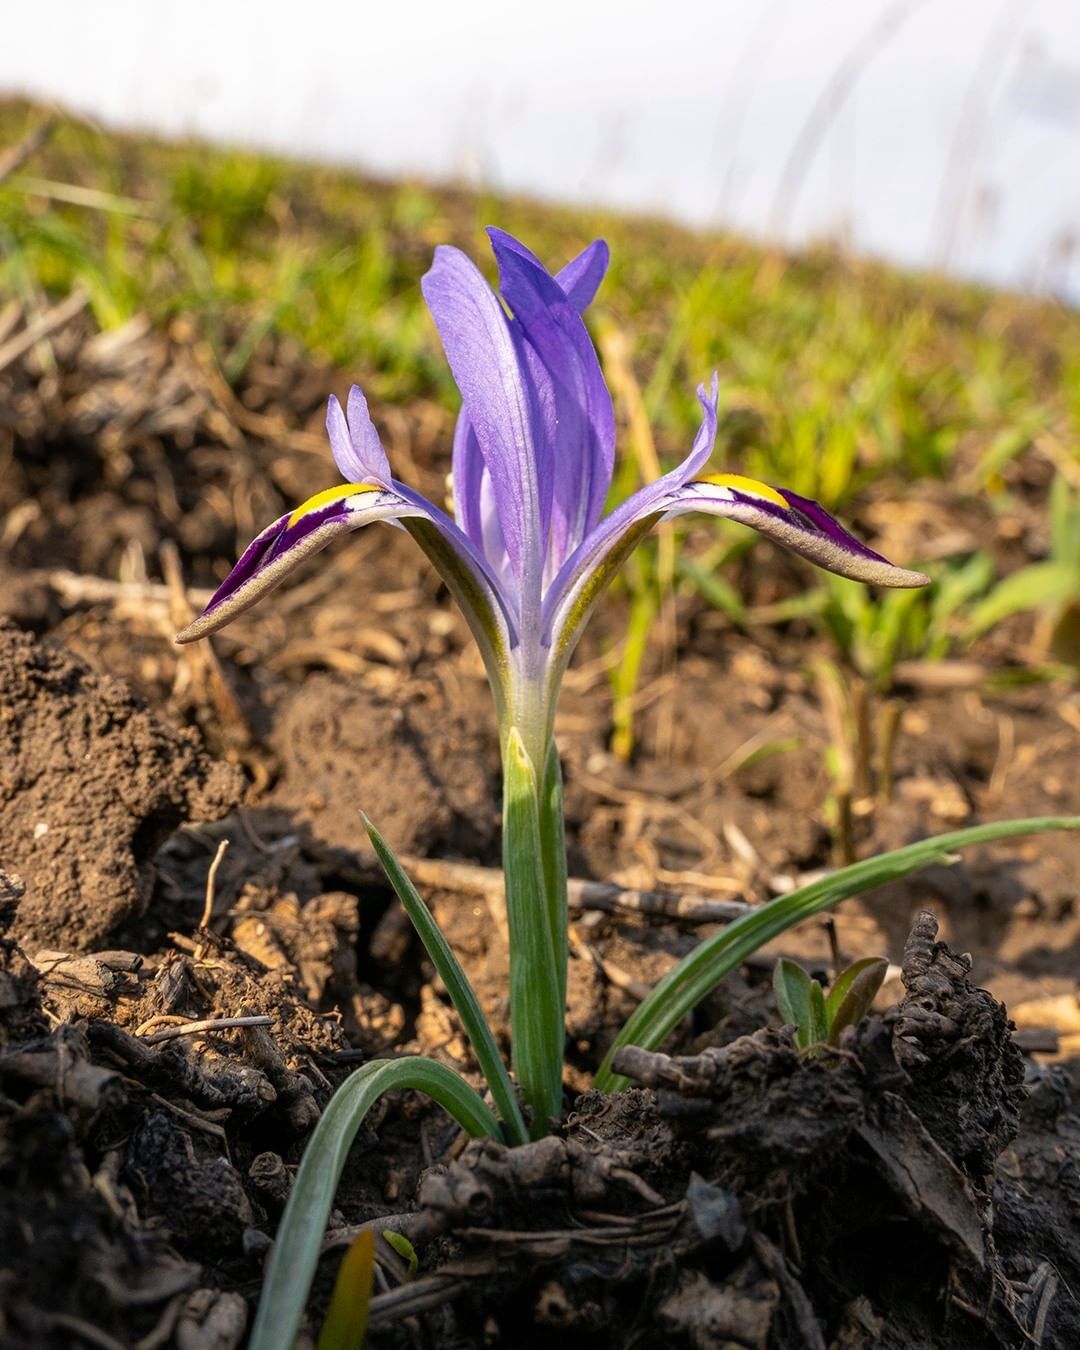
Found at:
(741, 484)
(328, 496)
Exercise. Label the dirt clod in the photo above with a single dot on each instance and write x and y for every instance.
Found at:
(91, 784)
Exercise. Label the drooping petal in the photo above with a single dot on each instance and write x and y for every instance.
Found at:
(358, 451)
(285, 544)
(293, 538)
(576, 414)
(496, 395)
(796, 522)
(590, 568)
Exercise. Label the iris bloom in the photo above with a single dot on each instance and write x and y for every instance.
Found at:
(526, 555)
(528, 549)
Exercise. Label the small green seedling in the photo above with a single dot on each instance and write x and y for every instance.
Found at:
(819, 1018)
(404, 1249)
(1051, 586)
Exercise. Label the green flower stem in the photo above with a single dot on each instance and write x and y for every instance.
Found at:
(461, 992)
(536, 985)
(296, 1249)
(702, 969)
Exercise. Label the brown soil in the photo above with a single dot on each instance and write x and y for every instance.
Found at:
(917, 1190)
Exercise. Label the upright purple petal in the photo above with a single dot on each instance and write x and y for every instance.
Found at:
(581, 277)
(592, 565)
(575, 409)
(488, 367)
(358, 452)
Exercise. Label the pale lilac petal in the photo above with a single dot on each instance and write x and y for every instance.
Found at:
(358, 452)
(494, 545)
(466, 472)
(576, 416)
(488, 367)
(475, 506)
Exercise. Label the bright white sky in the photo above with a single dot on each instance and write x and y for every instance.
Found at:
(951, 135)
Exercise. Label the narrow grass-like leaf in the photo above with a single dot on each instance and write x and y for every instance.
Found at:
(296, 1249)
(347, 1317)
(553, 852)
(791, 984)
(702, 969)
(461, 992)
(536, 1009)
(1036, 586)
(855, 1002)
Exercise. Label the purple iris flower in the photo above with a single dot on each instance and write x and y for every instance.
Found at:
(529, 549)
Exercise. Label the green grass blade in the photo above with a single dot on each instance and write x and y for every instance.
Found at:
(461, 992)
(1036, 586)
(299, 1236)
(703, 968)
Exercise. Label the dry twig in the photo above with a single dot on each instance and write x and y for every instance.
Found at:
(42, 326)
(206, 1025)
(211, 879)
(12, 160)
(471, 879)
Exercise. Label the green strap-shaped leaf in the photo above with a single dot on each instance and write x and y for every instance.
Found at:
(536, 1004)
(553, 852)
(461, 992)
(296, 1249)
(702, 969)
